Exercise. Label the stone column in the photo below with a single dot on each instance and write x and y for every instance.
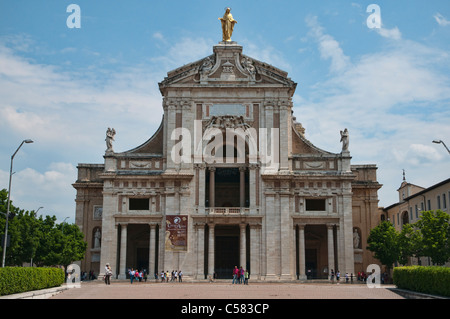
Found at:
(330, 249)
(272, 238)
(200, 187)
(200, 228)
(123, 251)
(252, 187)
(242, 186)
(284, 140)
(340, 255)
(110, 239)
(301, 251)
(242, 246)
(286, 234)
(211, 250)
(151, 253)
(347, 234)
(255, 251)
(212, 187)
(266, 142)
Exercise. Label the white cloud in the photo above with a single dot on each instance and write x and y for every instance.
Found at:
(184, 51)
(265, 53)
(329, 48)
(441, 20)
(417, 154)
(158, 35)
(393, 33)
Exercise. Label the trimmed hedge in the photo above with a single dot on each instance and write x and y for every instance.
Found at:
(432, 280)
(15, 280)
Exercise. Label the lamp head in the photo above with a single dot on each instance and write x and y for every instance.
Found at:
(28, 141)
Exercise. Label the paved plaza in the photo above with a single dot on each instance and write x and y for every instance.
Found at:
(225, 290)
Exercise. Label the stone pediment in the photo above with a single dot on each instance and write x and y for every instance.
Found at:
(228, 67)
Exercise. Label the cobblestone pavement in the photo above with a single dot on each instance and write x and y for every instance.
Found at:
(224, 290)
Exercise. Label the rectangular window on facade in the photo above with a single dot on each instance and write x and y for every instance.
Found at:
(315, 204)
(444, 202)
(139, 204)
(429, 204)
(417, 211)
(438, 202)
(410, 213)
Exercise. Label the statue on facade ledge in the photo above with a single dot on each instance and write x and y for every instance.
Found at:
(228, 23)
(344, 140)
(110, 133)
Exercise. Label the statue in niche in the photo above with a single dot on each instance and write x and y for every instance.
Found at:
(356, 239)
(110, 133)
(344, 140)
(97, 238)
(228, 23)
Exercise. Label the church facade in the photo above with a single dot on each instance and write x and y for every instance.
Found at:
(228, 179)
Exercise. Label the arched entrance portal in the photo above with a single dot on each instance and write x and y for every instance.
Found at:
(226, 250)
(138, 246)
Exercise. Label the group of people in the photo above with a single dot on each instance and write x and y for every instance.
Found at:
(138, 275)
(361, 277)
(338, 276)
(175, 275)
(240, 275)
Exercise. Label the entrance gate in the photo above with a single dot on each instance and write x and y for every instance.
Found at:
(226, 250)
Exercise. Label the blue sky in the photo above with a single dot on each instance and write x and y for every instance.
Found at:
(63, 87)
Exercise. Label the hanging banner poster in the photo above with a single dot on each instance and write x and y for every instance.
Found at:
(176, 233)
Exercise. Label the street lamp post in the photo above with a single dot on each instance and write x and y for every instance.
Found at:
(442, 142)
(8, 204)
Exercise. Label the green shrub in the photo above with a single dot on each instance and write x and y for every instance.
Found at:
(433, 280)
(15, 280)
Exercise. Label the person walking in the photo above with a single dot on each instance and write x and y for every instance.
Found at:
(246, 277)
(108, 274)
(132, 274)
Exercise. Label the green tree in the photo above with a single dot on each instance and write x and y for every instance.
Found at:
(13, 229)
(60, 244)
(383, 241)
(435, 232)
(28, 234)
(39, 239)
(410, 243)
(73, 244)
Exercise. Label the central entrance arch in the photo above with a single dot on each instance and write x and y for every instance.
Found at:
(226, 250)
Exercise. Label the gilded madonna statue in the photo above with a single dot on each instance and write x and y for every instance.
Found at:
(227, 25)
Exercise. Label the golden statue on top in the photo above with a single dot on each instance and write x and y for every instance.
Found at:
(227, 25)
